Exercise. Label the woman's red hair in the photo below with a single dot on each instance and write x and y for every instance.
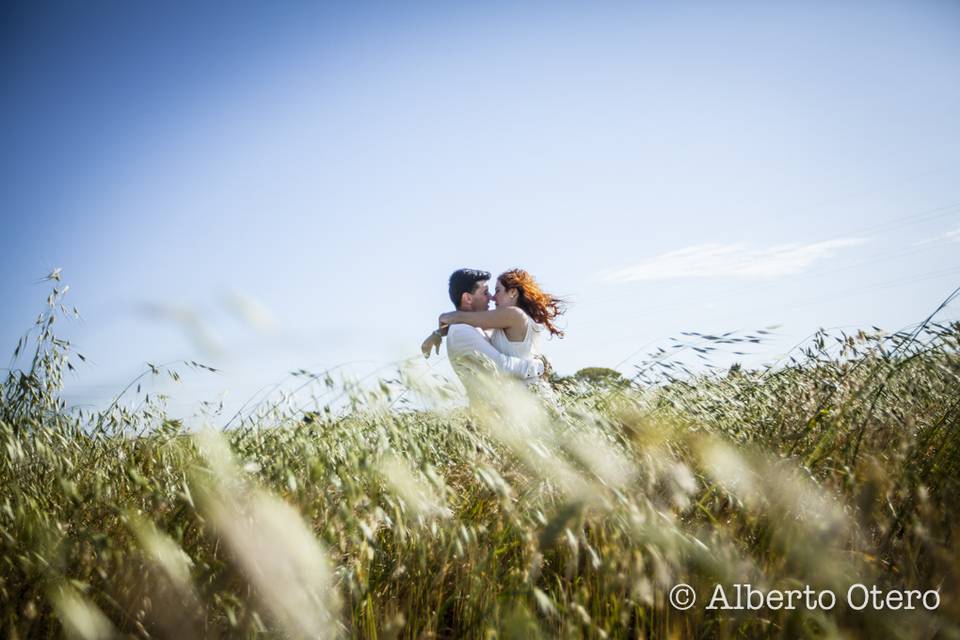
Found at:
(538, 304)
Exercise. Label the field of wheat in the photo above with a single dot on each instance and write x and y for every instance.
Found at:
(372, 517)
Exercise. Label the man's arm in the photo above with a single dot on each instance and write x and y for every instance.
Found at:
(463, 341)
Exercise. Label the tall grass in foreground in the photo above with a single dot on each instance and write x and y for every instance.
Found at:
(837, 467)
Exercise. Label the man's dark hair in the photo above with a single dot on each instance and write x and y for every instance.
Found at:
(465, 281)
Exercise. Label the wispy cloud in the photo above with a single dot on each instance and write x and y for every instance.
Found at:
(730, 260)
(949, 236)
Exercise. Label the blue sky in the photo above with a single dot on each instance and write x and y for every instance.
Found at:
(263, 188)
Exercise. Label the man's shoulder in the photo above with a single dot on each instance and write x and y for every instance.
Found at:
(462, 330)
(462, 338)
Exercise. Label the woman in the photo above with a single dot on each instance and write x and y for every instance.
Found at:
(523, 312)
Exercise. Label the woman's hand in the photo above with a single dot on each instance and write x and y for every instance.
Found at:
(432, 342)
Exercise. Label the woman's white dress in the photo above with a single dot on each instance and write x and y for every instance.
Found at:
(525, 349)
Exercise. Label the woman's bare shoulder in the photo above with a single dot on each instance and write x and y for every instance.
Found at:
(519, 313)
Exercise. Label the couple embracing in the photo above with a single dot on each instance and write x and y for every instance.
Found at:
(506, 338)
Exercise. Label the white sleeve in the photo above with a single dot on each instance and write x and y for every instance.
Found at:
(471, 340)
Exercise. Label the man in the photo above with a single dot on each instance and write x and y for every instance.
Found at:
(466, 345)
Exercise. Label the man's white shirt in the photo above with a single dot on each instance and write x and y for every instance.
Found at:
(465, 340)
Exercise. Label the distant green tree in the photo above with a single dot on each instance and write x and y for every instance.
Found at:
(602, 377)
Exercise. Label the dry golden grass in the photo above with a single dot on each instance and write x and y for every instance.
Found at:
(837, 467)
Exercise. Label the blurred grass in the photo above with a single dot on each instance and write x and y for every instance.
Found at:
(378, 521)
